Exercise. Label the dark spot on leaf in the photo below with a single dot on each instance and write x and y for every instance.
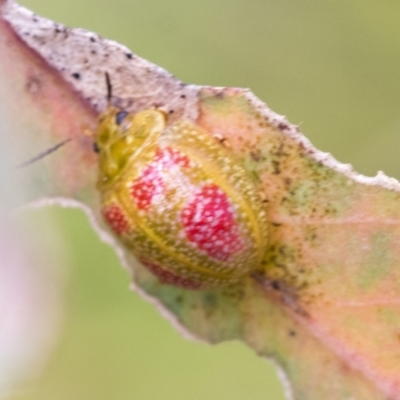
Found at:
(76, 75)
(256, 156)
(92, 39)
(96, 148)
(183, 96)
(129, 56)
(210, 300)
(292, 333)
(276, 165)
(275, 285)
(222, 140)
(287, 181)
(33, 85)
(280, 151)
(282, 126)
(171, 111)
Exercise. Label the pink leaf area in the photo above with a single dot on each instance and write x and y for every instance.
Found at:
(324, 303)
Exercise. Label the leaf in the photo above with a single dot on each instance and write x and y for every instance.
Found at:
(326, 306)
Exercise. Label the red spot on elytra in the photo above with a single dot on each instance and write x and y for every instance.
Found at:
(170, 278)
(115, 217)
(146, 186)
(209, 222)
(150, 182)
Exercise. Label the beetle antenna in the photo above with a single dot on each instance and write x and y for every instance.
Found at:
(43, 154)
(109, 88)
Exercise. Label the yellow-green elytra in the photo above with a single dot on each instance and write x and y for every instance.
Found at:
(178, 200)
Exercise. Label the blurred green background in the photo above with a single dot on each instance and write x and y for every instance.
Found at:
(332, 66)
